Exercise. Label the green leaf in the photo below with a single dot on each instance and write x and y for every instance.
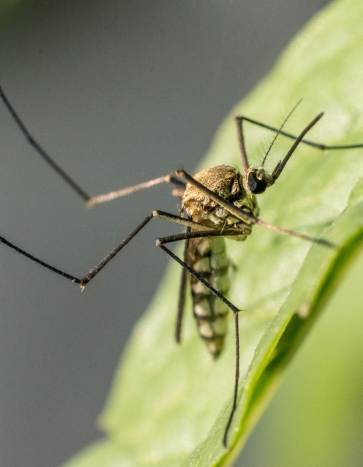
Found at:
(169, 404)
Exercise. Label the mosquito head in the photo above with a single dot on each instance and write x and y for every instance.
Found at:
(258, 180)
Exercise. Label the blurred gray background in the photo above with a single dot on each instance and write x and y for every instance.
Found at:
(118, 92)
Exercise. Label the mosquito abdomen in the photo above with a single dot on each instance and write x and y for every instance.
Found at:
(209, 260)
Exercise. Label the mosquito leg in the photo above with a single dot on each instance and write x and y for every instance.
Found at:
(235, 313)
(197, 276)
(180, 220)
(132, 189)
(38, 261)
(246, 217)
(83, 281)
(186, 236)
(182, 291)
(202, 231)
(305, 141)
(200, 234)
(45, 156)
(236, 380)
(158, 214)
(88, 277)
(186, 268)
(91, 201)
(242, 147)
(280, 165)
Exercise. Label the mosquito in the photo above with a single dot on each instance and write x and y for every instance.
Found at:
(218, 203)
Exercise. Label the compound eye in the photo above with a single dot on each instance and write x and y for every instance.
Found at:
(256, 185)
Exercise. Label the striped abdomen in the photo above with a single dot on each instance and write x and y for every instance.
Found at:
(207, 256)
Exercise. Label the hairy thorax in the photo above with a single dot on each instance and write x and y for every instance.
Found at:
(227, 182)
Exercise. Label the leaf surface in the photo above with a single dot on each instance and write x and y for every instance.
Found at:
(169, 404)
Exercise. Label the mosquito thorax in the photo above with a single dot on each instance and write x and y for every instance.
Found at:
(227, 182)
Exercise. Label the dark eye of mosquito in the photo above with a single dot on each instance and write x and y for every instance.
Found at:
(256, 186)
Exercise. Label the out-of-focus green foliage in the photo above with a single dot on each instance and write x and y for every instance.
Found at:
(170, 404)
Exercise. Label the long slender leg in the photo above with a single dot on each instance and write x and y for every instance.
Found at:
(242, 147)
(280, 165)
(132, 189)
(158, 214)
(239, 121)
(183, 281)
(84, 281)
(181, 220)
(160, 242)
(173, 218)
(198, 277)
(304, 141)
(46, 157)
(182, 292)
(248, 218)
(91, 201)
(236, 380)
(200, 234)
(235, 313)
(186, 268)
(181, 301)
(38, 261)
(88, 277)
